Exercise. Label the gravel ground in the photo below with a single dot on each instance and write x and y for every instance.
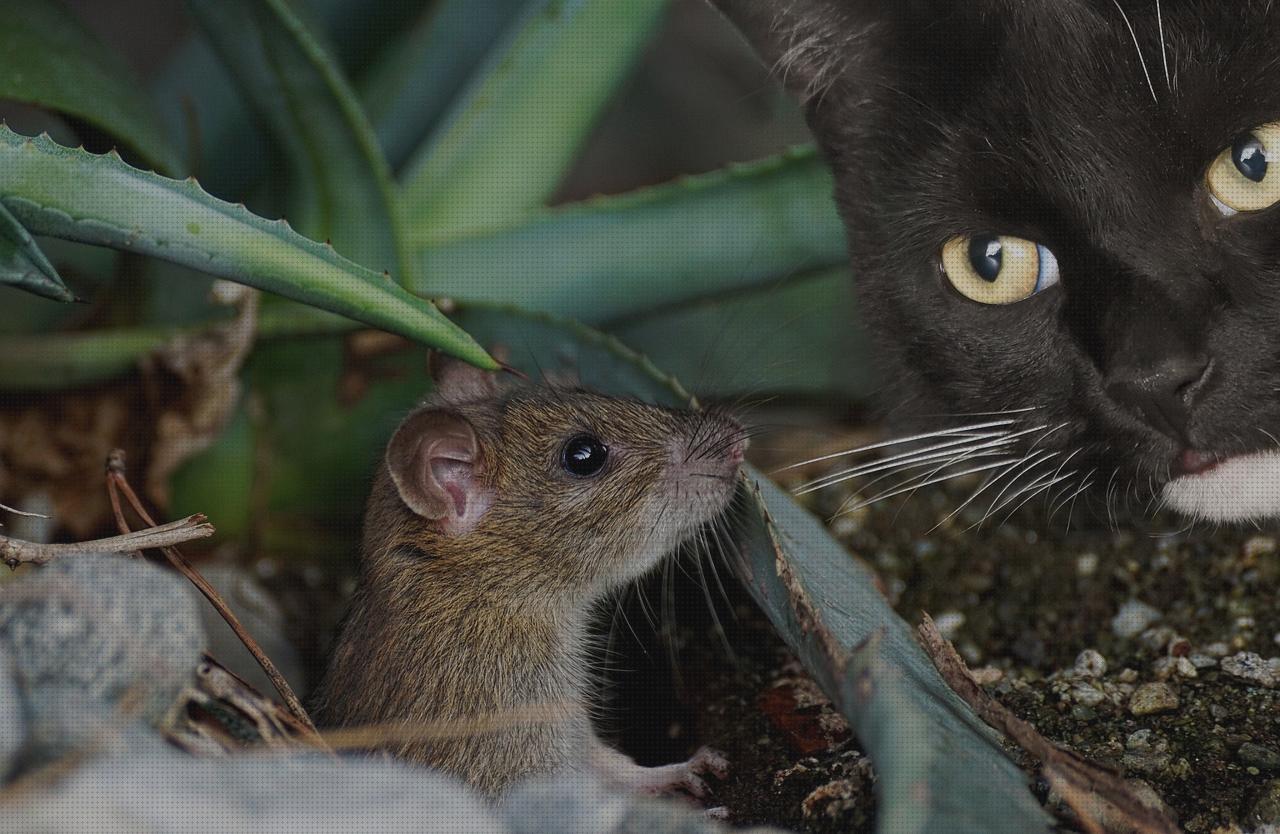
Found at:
(1146, 646)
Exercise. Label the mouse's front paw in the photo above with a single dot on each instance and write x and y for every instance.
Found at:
(706, 762)
(709, 760)
(684, 776)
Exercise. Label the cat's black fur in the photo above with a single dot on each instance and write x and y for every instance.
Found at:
(1036, 119)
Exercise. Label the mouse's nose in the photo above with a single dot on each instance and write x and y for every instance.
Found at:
(1161, 393)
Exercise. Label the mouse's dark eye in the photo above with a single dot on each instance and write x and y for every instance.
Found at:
(584, 455)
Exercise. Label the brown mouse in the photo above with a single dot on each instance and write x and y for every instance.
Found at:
(498, 520)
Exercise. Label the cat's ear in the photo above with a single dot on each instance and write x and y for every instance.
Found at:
(436, 464)
(805, 43)
(810, 44)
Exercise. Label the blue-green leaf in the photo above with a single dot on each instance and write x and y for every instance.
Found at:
(48, 57)
(506, 145)
(23, 265)
(341, 184)
(68, 193)
(419, 75)
(743, 226)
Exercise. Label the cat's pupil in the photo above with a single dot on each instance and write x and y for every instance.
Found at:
(986, 256)
(1250, 157)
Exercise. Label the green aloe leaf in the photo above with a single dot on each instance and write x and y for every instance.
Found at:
(49, 58)
(797, 337)
(201, 107)
(939, 768)
(594, 261)
(71, 194)
(414, 80)
(506, 145)
(23, 265)
(342, 189)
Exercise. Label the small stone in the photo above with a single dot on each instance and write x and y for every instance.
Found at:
(13, 724)
(1167, 667)
(1202, 661)
(1128, 676)
(276, 793)
(949, 623)
(1153, 698)
(1146, 752)
(1265, 810)
(1090, 664)
(260, 615)
(1218, 649)
(1086, 564)
(1083, 692)
(1256, 755)
(987, 675)
(1257, 546)
(925, 548)
(1246, 623)
(109, 626)
(1158, 639)
(1133, 616)
(846, 525)
(1248, 666)
(834, 798)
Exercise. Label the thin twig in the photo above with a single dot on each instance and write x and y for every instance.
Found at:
(1102, 800)
(23, 513)
(116, 482)
(14, 552)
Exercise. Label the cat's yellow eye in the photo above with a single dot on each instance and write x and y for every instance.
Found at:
(1241, 179)
(998, 269)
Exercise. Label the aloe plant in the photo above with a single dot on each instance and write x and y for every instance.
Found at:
(427, 175)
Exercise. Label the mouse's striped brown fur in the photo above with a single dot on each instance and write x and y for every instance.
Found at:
(488, 539)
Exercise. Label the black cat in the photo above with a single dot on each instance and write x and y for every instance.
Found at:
(1061, 222)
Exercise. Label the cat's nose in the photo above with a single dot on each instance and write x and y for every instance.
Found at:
(1161, 393)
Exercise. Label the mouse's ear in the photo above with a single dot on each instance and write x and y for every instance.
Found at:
(458, 381)
(435, 462)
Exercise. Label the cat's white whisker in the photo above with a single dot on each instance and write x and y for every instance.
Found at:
(1164, 51)
(1036, 490)
(1085, 483)
(1002, 500)
(1138, 47)
(958, 459)
(1110, 498)
(991, 481)
(1028, 462)
(897, 441)
(1001, 413)
(940, 479)
(930, 452)
(963, 455)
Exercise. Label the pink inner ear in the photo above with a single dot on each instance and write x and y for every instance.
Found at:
(454, 477)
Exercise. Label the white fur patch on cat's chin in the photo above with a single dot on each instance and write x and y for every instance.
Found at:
(1238, 489)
